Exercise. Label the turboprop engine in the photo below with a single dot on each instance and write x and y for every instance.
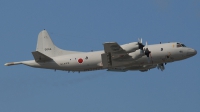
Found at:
(136, 49)
(132, 47)
(137, 54)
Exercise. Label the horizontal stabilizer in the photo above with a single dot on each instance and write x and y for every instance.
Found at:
(12, 63)
(39, 57)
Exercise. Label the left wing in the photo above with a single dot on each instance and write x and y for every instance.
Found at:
(114, 55)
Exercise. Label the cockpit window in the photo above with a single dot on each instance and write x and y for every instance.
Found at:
(183, 45)
(180, 45)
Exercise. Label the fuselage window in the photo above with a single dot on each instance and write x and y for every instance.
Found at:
(161, 49)
(86, 57)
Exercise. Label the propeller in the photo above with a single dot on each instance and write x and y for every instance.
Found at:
(140, 43)
(147, 52)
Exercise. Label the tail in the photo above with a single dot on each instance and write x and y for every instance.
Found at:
(46, 46)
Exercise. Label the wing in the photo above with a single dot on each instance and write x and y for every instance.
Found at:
(116, 50)
(114, 55)
(143, 68)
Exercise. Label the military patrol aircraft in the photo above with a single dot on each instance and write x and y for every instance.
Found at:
(114, 57)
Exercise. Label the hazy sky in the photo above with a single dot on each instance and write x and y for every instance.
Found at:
(84, 25)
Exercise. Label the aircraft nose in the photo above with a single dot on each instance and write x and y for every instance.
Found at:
(191, 52)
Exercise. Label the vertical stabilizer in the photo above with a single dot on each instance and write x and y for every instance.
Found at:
(46, 46)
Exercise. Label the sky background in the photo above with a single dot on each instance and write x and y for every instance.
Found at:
(84, 25)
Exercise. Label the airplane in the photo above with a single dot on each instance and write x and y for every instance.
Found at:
(133, 56)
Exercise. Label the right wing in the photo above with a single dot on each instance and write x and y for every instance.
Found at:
(144, 68)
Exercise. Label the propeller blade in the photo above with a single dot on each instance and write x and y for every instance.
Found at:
(147, 52)
(140, 40)
(146, 44)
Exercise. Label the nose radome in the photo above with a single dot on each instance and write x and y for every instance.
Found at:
(191, 52)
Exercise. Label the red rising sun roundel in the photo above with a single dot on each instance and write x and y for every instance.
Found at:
(80, 60)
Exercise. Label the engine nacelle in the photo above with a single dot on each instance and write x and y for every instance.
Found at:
(137, 54)
(130, 47)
